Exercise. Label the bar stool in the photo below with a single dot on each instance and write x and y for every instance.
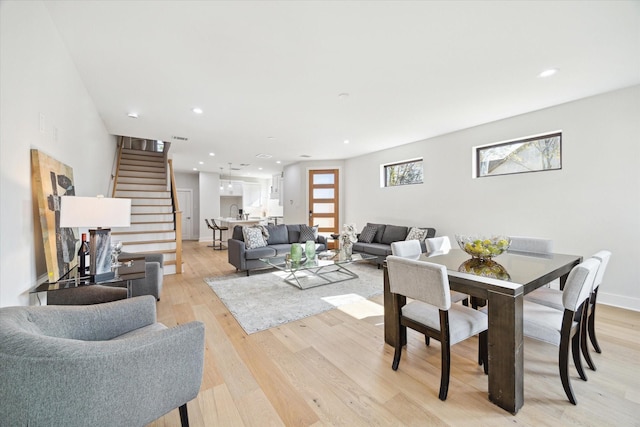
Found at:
(215, 227)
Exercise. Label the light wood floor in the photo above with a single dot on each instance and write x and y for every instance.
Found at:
(333, 369)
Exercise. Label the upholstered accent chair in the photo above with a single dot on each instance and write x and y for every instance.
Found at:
(154, 274)
(107, 364)
(562, 328)
(431, 312)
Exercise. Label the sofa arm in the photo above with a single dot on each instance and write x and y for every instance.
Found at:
(322, 239)
(151, 284)
(236, 250)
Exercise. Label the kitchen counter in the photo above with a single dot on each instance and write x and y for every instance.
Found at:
(232, 222)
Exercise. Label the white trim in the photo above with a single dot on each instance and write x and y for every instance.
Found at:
(621, 301)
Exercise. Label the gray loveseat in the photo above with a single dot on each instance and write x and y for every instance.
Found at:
(380, 244)
(279, 243)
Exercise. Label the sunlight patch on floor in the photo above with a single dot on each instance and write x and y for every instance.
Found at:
(355, 306)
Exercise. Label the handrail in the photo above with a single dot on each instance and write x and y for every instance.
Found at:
(117, 171)
(177, 218)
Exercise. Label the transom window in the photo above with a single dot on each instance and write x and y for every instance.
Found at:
(532, 154)
(402, 173)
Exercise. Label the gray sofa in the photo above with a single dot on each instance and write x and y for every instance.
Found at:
(109, 364)
(386, 234)
(279, 243)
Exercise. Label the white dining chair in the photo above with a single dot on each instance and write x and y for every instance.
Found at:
(412, 249)
(535, 245)
(563, 328)
(438, 244)
(431, 312)
(553, 298)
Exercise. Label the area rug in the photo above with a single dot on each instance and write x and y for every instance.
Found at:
(263, 300)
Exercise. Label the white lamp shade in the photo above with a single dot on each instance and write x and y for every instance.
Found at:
(94, 212)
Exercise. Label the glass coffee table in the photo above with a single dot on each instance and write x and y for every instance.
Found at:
(326, 268)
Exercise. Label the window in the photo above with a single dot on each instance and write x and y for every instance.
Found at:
(402, 173)
(539, 153)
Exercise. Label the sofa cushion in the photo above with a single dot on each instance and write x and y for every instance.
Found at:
(416, 233)
(378, 249)
(282, 249)
(253, 237)
(294, 233)
(237, 233)
(367, 234)
(278, 234)
(257, 253)
(308, 233)
(393, 233)
(379, 233)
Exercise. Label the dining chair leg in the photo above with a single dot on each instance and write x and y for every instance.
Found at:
(563, 365)
(445, 370)
(591, 322)
(483, 348)
(427, 340)
(583, 341)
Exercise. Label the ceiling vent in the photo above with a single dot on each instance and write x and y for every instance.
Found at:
(180, 138)
(264, 156)
(305, 156)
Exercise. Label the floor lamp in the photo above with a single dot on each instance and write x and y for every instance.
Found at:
(98, 214)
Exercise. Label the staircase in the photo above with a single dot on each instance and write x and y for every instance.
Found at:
(142, 177)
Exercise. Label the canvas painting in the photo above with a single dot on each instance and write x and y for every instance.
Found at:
(51, 180)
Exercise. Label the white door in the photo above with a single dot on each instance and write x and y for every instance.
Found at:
(185, 202)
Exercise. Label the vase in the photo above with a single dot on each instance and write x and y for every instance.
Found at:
(296, 252)
(310, 249)
(347, 250)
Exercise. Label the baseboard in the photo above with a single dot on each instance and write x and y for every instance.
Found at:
(621, 301)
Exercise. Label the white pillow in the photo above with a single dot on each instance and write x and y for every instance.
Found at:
(416, 234)
(253, 237)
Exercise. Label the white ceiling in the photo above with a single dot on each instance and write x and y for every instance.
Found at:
(266, 69)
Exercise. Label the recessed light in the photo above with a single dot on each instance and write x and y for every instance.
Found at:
(259, 169)
(278, 161)
(133, 115)
(548, 73)
(212, 154)
(201, 163)
(195, 169)
(197, 110)
(346, 141)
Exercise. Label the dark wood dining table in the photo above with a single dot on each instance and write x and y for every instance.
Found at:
(519, 273)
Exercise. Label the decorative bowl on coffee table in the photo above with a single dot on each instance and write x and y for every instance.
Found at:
(482, 247)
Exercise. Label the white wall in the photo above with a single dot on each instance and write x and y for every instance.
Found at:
(209, 196)
(38, 77)
(593, 203)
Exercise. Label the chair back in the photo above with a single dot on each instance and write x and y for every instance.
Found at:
(531, 244)
(207, 222)
(603, 257)
(406, 249)
(579, 284)
(215, 225)
(438, 244)
(420, 280)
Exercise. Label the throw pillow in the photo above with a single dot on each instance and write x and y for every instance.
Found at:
(308, 233)
(393, 233)
(368, 233)
(379, 233)
(416, 233)
(253, 237)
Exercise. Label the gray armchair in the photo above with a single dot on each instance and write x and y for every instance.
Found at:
(109, 364)
(152, 283)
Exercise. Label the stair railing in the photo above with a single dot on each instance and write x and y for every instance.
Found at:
(177, 218)
(114, 177)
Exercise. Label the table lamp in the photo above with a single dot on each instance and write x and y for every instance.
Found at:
(98, 214)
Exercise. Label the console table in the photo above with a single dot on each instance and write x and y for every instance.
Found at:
(77, 288)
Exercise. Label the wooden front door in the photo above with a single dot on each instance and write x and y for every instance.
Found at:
(323, 200)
